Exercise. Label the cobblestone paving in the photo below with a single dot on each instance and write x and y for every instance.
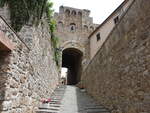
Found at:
(70, 99)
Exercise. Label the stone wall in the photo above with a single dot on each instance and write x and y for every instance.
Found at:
(119, 75)
(73, 28)
(28, 73)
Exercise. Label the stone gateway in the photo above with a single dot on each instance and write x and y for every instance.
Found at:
(110, 61)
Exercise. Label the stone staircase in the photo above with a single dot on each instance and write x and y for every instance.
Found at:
(86, 104)
(63, 101)
(55, 104)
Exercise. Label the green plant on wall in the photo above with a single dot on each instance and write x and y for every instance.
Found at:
(57, 51)
(54, 39)
(55, 42)
(21, 11)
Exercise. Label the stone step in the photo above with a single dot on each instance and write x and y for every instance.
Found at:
(53, 100)
(55, 103)
(61, 92)
(50, 107)
(46, 111)
(56, 99)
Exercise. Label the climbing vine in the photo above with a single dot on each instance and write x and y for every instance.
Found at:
(55, 42)
(24, 10)
(57, 51)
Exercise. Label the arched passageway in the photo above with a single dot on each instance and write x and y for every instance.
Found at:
(71, 59)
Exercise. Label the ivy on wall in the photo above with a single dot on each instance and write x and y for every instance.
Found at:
(24, 10)
(57, 51)
(55, 43)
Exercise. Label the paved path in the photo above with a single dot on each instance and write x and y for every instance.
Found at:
(70, 99)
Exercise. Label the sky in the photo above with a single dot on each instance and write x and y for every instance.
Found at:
(64, 72)
(100, 9)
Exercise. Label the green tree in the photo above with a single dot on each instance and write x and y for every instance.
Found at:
(21, 11)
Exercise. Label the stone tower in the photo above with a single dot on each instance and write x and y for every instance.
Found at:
(73, 28)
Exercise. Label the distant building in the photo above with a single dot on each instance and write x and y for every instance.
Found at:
(73, 28)
(100, 34)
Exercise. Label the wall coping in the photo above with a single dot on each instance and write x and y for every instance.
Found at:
(14, 32)
(5, 43)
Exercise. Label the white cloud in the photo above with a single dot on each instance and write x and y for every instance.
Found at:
(100, 9)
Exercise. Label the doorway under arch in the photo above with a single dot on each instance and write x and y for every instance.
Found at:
(71, 59)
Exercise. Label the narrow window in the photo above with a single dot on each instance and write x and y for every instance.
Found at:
(98, 36)
(72, 27)
(116, 20)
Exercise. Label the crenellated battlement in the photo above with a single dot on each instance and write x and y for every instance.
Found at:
(74, 11)
(74, 20)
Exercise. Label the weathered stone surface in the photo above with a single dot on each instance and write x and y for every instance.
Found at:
(29, 72)
(73, 27)
(118, 76)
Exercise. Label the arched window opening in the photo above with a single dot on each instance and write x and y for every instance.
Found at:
(80, 13)
(74, 12)
(60, 24)
(85, 27)
(67, 12)
(91, 28)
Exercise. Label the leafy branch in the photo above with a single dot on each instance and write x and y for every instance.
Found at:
(21, 11)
